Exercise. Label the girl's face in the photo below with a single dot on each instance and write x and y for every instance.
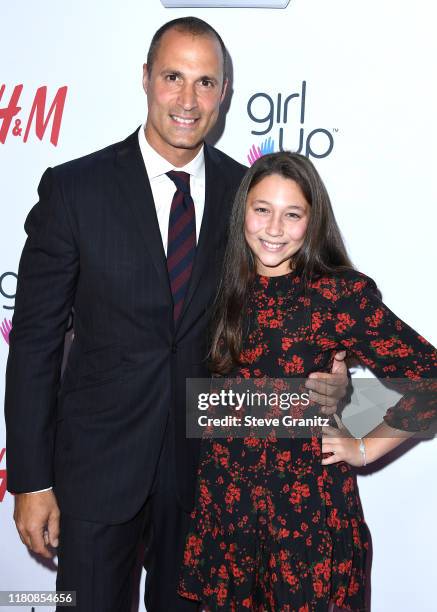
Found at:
(277, 216)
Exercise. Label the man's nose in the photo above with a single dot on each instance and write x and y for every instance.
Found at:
(187, 97)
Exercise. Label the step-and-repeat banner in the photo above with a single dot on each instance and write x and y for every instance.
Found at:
(349, 84)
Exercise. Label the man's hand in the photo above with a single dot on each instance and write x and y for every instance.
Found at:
(328, 389)
(36, 516)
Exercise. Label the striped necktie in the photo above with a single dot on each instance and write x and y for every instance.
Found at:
(181, 245)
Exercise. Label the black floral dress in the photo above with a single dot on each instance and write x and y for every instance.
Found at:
(272, 529)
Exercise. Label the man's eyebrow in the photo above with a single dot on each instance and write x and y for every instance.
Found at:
(170, 71)
(207, 77)
(178, 73)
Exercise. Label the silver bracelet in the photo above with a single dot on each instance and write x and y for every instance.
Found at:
(362, 448)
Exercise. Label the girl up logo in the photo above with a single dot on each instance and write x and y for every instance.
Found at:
(281, 118)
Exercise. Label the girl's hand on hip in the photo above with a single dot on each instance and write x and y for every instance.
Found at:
(342, 444)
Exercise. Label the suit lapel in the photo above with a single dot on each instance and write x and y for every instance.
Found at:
(136, 192)
(215, 192)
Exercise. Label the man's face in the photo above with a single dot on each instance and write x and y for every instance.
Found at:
(184, 91)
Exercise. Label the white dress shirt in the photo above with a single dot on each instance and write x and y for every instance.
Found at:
(163, 190)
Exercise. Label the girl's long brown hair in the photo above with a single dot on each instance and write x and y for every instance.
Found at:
(322, 252)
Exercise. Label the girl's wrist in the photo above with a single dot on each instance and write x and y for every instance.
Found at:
(363, 451)
(374, 448)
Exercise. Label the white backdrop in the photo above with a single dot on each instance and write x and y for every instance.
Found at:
(369, 73)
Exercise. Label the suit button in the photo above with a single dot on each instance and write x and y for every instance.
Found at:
(174, 348)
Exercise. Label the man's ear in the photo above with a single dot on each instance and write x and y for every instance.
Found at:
(145, 77)
(224, 90)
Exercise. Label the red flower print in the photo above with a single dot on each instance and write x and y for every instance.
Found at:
(353, 586)
(288, 574)
(286, 343)
(333, 520)
(345, 566)
(340, 596)
(393, 347)
(284, 456)
(326, 343)
(251, 355)
(423, 340)
(223, 572)
(294, 366)
(264, 315)
(232, 494)
(264, 281)
(252, 442)
(348, 485)
(205, 495)
(257, 491)
(358, 286)
(319, 568)
(316, 321)
(318, 587)
(221, 594)
(344, 322)
(295, 498)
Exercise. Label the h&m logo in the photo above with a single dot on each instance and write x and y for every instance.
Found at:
(37, 115)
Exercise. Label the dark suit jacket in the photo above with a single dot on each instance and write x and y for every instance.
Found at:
(94, 245)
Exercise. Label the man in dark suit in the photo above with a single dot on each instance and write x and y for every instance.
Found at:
(132, 238)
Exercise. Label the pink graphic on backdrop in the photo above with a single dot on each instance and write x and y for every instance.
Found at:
(6, 327)
(3, 482)
(267, 146)
(38, 117)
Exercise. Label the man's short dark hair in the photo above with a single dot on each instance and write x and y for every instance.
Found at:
(188, 25)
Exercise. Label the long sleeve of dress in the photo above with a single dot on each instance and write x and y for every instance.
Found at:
(367, 329)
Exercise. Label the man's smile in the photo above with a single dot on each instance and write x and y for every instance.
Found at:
(184, 121)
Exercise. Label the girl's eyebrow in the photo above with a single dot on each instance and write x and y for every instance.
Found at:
(258, 201)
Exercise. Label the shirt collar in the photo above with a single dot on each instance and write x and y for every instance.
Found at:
(156, 165)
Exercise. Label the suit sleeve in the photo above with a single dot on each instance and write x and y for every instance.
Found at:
(391, 349)
(47, 278)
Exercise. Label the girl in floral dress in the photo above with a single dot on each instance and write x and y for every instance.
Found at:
(277, 523)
